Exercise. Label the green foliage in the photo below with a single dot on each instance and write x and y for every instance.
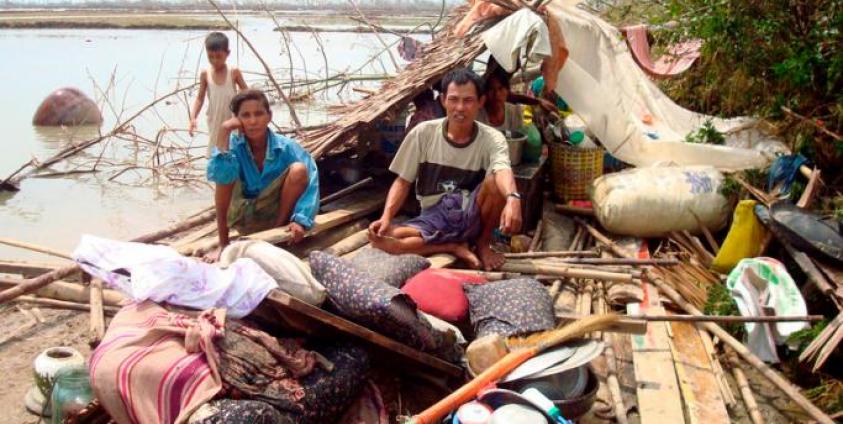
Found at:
(754, 177)
(706, 134)
(803, 338)
(761, 55)
(828, 395)
(720, 302)
(730, 187)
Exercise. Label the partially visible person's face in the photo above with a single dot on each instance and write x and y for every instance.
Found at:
(496, 92)
(462, 102)
(255, 119)
(217, 58)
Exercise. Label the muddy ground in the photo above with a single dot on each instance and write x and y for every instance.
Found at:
(61, 328)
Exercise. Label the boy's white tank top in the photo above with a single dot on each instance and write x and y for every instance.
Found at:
(219, 98)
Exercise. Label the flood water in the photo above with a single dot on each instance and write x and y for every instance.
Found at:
(54, 212)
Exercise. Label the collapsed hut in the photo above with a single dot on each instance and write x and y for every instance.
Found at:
(665, 362)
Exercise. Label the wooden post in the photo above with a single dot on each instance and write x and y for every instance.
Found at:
(535, 242)
(97, 314)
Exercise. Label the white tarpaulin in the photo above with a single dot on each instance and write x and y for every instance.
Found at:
(603, 84)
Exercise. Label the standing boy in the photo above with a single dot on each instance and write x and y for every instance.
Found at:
(220, 82)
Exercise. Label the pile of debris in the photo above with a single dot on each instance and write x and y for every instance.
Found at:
(596, 315)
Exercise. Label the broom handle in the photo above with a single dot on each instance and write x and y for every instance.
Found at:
(467, 392)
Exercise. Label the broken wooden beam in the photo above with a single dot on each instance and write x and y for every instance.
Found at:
(286, 303)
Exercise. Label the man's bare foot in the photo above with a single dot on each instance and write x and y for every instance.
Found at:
(491, 260)
(212, 256)
(463, 252)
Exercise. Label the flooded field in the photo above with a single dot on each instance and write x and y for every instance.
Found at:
(139, 65)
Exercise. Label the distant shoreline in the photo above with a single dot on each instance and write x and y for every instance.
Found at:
(114, 19)
(354, 29)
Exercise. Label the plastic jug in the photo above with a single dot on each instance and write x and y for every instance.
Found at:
(580, 140)
(533, 148)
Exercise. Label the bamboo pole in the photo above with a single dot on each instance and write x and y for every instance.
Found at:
(34, 248)
(620, 261)
(350, 189)
(531, 267)
(32, 284)
(746, 392)
(553, 254)
(349, 244)
(782, 383)
(63, 304)
(70, 292)
(611, 361)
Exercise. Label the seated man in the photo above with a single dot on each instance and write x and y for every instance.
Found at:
(463, 181)
(263, 179)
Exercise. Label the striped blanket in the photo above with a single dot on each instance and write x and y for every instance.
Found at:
(154, 366)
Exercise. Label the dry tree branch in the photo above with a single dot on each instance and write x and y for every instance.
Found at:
(284, 97)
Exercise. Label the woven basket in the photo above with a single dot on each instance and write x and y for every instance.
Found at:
(573, 169)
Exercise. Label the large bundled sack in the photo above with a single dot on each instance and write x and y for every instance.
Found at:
(651, 202)
(286, 269)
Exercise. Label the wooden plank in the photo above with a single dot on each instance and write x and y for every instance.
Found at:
(195, 236)
(700, 389)
(287, 303)
(327, 238)
(343, 211)
(659, 399)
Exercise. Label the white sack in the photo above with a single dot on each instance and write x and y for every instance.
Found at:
(603, 85)
(292, 276)
(650, 202)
